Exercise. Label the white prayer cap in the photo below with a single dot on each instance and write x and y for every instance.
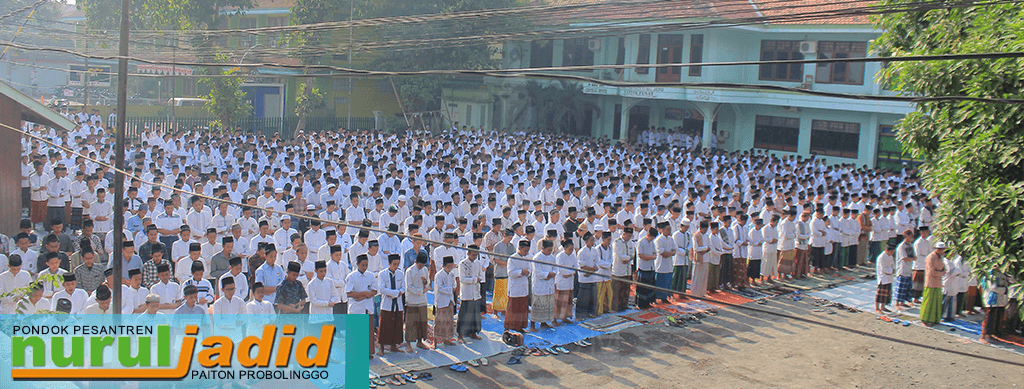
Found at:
(279, 190)
(940, 245)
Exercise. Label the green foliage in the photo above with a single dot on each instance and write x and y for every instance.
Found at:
(21, 295)
(973, 151)
(423, 93)
(227, 101)
(560, 107)
(305, 103)
(305, 42)
(161, 14)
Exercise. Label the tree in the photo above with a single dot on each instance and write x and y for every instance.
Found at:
(306, 47)
(227, 101)
(310, 99)
(423, 93)
(559, 107)
(105, 15)
(973, 150)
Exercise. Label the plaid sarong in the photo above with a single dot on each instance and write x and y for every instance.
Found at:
(904, 289)
(884, 294)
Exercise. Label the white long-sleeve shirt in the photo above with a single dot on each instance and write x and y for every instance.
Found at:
(518, 284)
(564, 279)
(391, 292)
(415, 286)
(469, 277)
(541, 269)
(444, 288)
(321, 294)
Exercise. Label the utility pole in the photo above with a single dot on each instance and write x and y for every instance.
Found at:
(351, 12)
(122, 128)
(85, 79)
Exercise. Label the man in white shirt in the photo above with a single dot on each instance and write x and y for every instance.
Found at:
(663, 265)
(417, 282)
(884, 268)
(320, 291)
(391, 283)
(444, 301)
(168, 290)
(76, 296)
(543, 304)
(338, 271)
(361, 286)
(258, 306)
(228, 304)
(587, 259)
(133, 295)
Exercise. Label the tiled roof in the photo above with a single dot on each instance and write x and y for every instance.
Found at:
(805, 12)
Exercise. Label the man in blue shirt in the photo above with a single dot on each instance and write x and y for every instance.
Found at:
(131, 261)
(134, 223)
(269, 273)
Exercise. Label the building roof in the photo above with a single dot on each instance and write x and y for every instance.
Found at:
(34, 111)
(794, 12)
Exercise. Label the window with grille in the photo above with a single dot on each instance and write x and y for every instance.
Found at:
(838, 139)
(776, 133)
(781, 51)
(841, 72)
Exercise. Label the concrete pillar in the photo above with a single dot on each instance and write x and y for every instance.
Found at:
(707, 110)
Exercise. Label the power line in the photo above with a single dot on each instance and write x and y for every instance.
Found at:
(22, 9)
(591, 30)
(526, 73)
(131, 175)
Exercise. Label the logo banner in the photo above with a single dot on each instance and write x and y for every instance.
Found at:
(56, 351)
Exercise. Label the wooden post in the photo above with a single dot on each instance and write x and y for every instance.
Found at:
(10, 166)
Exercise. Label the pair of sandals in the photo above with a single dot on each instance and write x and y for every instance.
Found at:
(396, 380)
(458, 367)
(583, 343)
(478, 362)
(894, 320)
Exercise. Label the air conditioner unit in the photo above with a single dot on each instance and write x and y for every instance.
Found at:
(594, 45)
(808, 47)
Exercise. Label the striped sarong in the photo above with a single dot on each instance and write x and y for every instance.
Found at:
(543, 309)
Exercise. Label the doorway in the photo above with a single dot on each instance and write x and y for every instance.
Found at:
(639, 120)
(670, 50)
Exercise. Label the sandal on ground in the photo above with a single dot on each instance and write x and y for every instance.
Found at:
(562, 350)
(378, 382)
(483, 361)
(515, 360)
(474, 363)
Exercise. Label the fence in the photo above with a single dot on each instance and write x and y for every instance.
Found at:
(266, 126)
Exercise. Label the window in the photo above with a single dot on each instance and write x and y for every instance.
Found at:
(776, 133)
(781, 51)
(841, 72)
(620, 55)
(576, 52)
(696, 53)
(247, 40)
(643, 53)
(670, 50)
(838, 139)
(274, 38)
(541, 53)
